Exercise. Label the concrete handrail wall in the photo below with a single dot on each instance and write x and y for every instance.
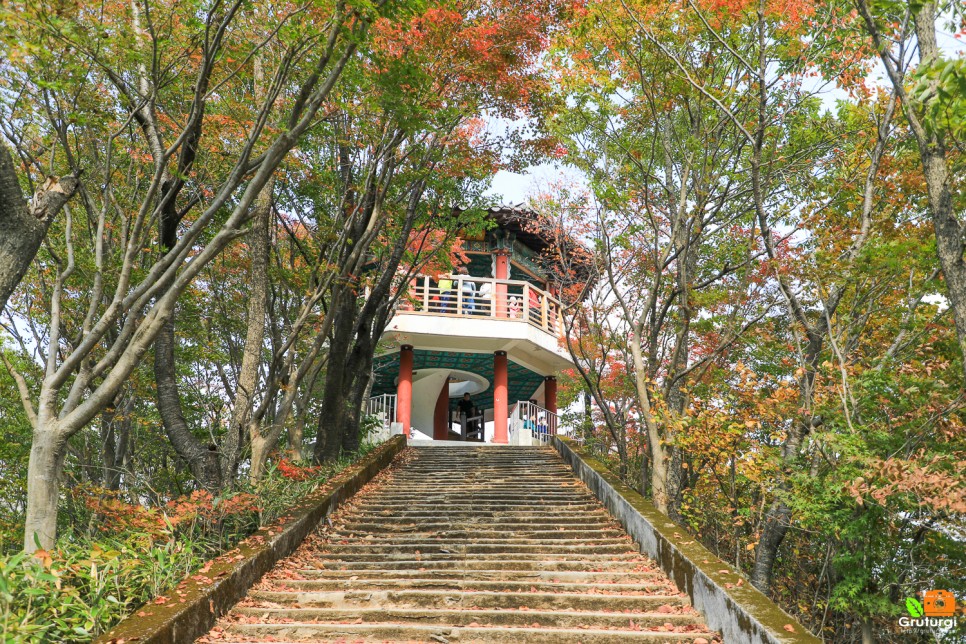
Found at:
(201, 599)
(741, 613)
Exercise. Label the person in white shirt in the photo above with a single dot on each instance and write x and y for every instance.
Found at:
(469, 291)
(483, 298)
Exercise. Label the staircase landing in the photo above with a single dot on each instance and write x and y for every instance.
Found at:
(466, 543)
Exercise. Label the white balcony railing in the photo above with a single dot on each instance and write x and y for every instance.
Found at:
(474, 297)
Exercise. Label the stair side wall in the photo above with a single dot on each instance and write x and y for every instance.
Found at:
(203, 598)
(742, 614)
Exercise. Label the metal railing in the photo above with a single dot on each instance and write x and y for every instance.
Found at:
(542, 424)
(462, 296)
(471, 427)
(384, 408)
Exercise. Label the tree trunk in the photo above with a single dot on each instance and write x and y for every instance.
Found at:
(328, 442)
(949, 231)
(296, 434)
(202, 460)
(778, 518)
(115, 439)
(659, 459)
(254, 339)
(950, 242)
(47, 455)
(361, 370)
(261, 448)
(23, 226)
(776, 524)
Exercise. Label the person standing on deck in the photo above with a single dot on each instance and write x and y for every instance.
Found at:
(446, 294)
(466, 409)
(469, 291)
(483, 299)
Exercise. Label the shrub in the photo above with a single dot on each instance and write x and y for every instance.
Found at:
(134, 554)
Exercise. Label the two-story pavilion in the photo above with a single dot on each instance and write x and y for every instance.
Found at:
(492, 329)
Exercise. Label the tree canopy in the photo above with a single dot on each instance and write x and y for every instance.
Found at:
(210, 210)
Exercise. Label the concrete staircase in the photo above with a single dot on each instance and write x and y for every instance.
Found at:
(468, 544)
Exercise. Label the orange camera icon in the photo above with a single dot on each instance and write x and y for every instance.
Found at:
(939, 603)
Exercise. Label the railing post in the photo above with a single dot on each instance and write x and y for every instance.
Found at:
(492, 311)
(458, 285)
(502, 273)
(526, 302)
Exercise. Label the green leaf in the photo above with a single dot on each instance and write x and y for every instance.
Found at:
(914, 607)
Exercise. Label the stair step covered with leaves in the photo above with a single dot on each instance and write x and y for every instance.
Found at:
(463, 543)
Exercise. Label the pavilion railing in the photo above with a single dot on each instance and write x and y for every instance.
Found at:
(463, 296)
(471, 425)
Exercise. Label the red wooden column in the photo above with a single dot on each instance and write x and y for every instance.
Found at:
(550, 394)
(404, 389)
(500, 387)
(502, 272)
(441, 415)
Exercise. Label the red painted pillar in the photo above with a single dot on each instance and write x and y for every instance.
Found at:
(500, 388)
(441, 415)
(502, 273)
(404, 389)
(550, 394)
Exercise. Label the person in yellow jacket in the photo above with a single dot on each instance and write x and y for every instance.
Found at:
(446, 299)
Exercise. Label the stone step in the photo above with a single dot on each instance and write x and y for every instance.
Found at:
(335, 558)
(462, 574)
(469, 544)
(470, 599)
(464, 535)
(522, 489)
(376, 505)
(534, 585)
(517, 481)
(555, 475)
(371, 524)
(482, 564)
(464, 617)
(448, 514)
(433, 538)
(512, 479)
(482, 501)
(387, 632)
(535, 546)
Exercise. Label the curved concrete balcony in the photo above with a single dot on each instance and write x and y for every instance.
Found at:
(462, 313)
(475, 298)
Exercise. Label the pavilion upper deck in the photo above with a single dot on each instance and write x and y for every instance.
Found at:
(462, 296)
